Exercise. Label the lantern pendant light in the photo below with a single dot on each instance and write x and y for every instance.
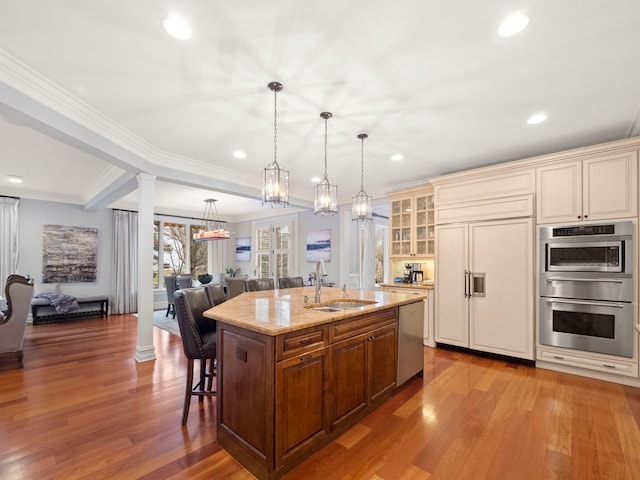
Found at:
(362, 205)
(275, 180)
(326, 195)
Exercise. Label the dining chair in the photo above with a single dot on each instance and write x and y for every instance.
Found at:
(290, 282)
(170, 287)
(258, 284)
(235, 286)
(215, 293)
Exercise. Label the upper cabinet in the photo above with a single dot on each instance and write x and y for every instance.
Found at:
(598, 188)
(412, 223)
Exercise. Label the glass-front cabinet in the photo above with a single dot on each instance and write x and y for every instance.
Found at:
(412, 223)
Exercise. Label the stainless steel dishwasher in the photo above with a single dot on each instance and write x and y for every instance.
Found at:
(410, 347)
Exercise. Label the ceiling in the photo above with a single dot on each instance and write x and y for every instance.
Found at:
(93, 93)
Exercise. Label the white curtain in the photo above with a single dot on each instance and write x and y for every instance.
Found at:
(218, 260)
(124, 288)
(369, 256)
(8, 239)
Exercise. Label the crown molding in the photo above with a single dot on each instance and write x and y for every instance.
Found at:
(28, 82)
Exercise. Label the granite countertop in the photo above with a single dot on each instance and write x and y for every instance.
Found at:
(421, 286)
(274, 312)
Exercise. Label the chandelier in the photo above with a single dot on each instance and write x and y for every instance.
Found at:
(326, 197)
(212, 227)
(362, 205)
(275, 180)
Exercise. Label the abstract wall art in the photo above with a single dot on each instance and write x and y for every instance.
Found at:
(69, 254)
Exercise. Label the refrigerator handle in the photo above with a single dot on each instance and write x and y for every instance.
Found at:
(466, 283)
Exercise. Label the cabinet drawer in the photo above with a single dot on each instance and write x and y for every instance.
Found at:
(351, 327)
(295, 343)
(629, 369)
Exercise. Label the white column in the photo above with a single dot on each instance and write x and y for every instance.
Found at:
(145, 350)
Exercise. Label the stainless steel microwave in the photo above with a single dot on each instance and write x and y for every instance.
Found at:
(587, 248)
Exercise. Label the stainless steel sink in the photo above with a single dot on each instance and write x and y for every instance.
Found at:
(325, 309)
(346, 304)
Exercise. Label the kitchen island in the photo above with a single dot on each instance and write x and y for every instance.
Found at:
(292, 376)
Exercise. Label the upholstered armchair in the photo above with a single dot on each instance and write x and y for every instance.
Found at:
(12, 324)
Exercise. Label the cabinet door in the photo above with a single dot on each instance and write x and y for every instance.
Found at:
(451, 308)
(301, 404)
(401, 227)
(382, 353)
(610, 186)
(559, 193)
(420, 225)
(349, 379)
(501, 318)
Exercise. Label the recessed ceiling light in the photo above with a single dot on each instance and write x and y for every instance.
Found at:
(177, 27)
(315, 179)
(537, 118)
(513, 24)
(239, 154)
(15, 178)
(396, 157)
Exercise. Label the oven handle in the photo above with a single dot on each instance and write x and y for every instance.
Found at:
(586, 302)
(568, 279)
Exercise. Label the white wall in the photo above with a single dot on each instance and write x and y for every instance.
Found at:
(33, 214)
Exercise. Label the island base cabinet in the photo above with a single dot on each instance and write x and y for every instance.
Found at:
(245, 404)
(301, 407)
(364, 373)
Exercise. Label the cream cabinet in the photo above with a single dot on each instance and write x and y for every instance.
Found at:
(598, 188)
(484, 277)
(412, 223)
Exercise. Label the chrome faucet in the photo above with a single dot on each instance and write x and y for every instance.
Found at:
(319, 264)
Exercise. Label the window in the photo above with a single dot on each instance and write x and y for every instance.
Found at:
(275, 249)
(179, 254)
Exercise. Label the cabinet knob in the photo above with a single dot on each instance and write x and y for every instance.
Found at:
(586, 216)
(579, 217)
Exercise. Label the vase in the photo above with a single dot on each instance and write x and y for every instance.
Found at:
(205, 278)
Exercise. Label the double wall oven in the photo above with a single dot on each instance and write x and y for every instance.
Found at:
(586, 287)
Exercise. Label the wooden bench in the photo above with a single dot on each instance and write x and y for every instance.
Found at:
(90, 306)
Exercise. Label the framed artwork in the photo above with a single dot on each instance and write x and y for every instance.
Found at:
(69, 254)
(243, 249)
(319, 245)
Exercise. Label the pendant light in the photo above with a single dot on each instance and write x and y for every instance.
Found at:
(275, 180)
(212, 227)
(326, 198)
(362, 205)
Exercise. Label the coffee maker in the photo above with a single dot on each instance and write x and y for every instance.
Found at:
(408, 273)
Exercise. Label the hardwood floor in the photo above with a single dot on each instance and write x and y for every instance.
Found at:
(83, 408)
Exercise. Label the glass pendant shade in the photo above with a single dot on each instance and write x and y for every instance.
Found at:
(275, 180)
(325, 200)
(275, 185)
(362, 204)
(362, 207)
